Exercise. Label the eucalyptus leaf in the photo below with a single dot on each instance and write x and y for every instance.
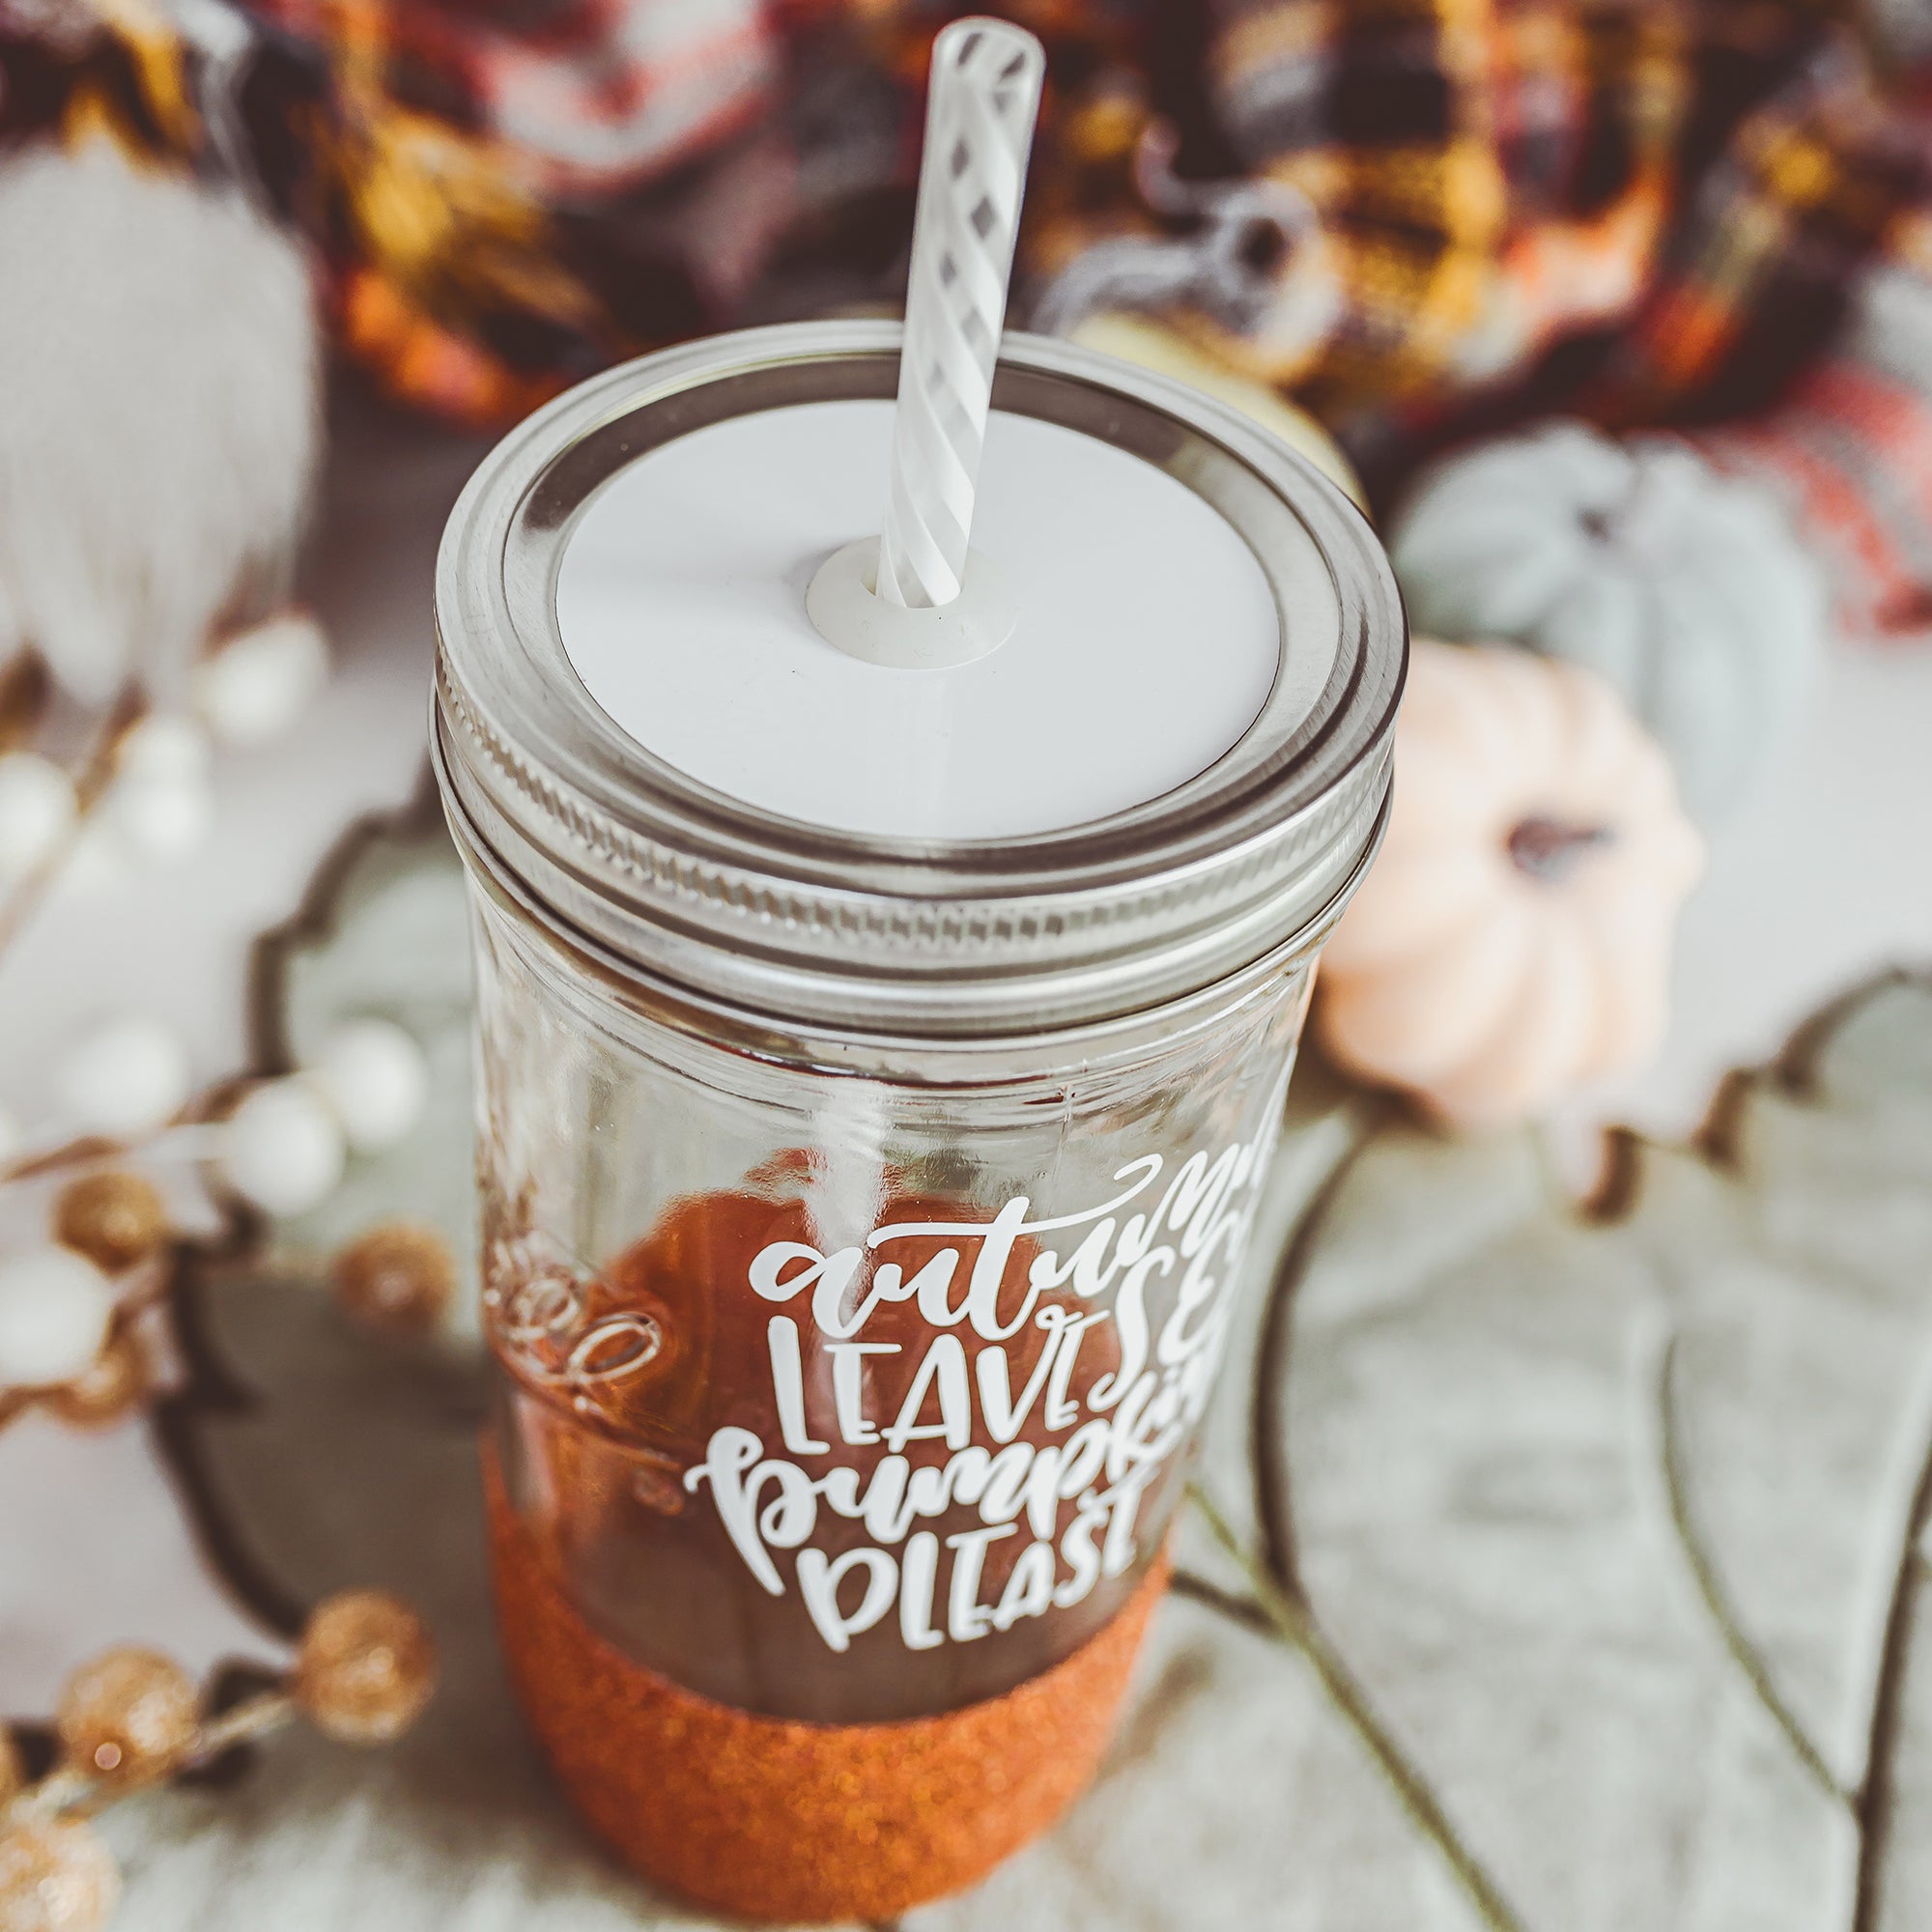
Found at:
(386, 935)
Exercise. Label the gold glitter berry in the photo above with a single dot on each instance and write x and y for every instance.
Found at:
(115, 1219)
(109, 1389)
(55, 1876)
(127, 1717)
(398, 1277)
(366, 1668)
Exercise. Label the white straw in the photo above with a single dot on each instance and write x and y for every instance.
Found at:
(981, 107)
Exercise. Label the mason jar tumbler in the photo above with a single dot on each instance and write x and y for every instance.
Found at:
(878, 1071)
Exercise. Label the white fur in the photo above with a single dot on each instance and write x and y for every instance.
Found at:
(158, 373)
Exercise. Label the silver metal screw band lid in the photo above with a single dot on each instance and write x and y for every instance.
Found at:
(922, 938)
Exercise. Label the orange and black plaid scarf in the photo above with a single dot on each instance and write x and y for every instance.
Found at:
(1415, 215)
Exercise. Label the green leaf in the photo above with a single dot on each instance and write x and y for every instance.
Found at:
(1598, 1535)
(384, 934)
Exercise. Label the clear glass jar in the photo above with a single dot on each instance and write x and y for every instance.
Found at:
(859, 1222)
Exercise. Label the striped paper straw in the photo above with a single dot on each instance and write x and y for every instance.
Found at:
(983, 98)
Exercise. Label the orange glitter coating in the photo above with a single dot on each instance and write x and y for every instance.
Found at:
(785, 1821)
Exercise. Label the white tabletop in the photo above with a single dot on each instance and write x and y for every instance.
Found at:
(1823, 876)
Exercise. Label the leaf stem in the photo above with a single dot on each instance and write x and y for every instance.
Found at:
(1294, 1623)
(1875, 1795)
(1242, 1610)
(1742, 1653)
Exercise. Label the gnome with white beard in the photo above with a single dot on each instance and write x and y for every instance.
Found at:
(160, 371)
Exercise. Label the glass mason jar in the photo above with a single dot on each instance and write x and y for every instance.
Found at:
(862, 1215)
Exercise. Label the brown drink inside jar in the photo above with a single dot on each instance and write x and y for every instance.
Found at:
(879, 1068)
(916, 1766)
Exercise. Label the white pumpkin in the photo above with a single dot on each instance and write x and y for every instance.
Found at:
(1512, 939)
(1689, 590)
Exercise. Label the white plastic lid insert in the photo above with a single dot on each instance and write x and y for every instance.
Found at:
(1144, 644)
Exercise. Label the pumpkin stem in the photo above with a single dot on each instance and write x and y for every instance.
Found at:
(1643, 521)
(1549, 850)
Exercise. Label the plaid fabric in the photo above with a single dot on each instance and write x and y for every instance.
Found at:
(1418, 217)
(1850, 452)
(1636, 209)
(582, 96)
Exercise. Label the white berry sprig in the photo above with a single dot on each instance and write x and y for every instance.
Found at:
(69, 1306)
